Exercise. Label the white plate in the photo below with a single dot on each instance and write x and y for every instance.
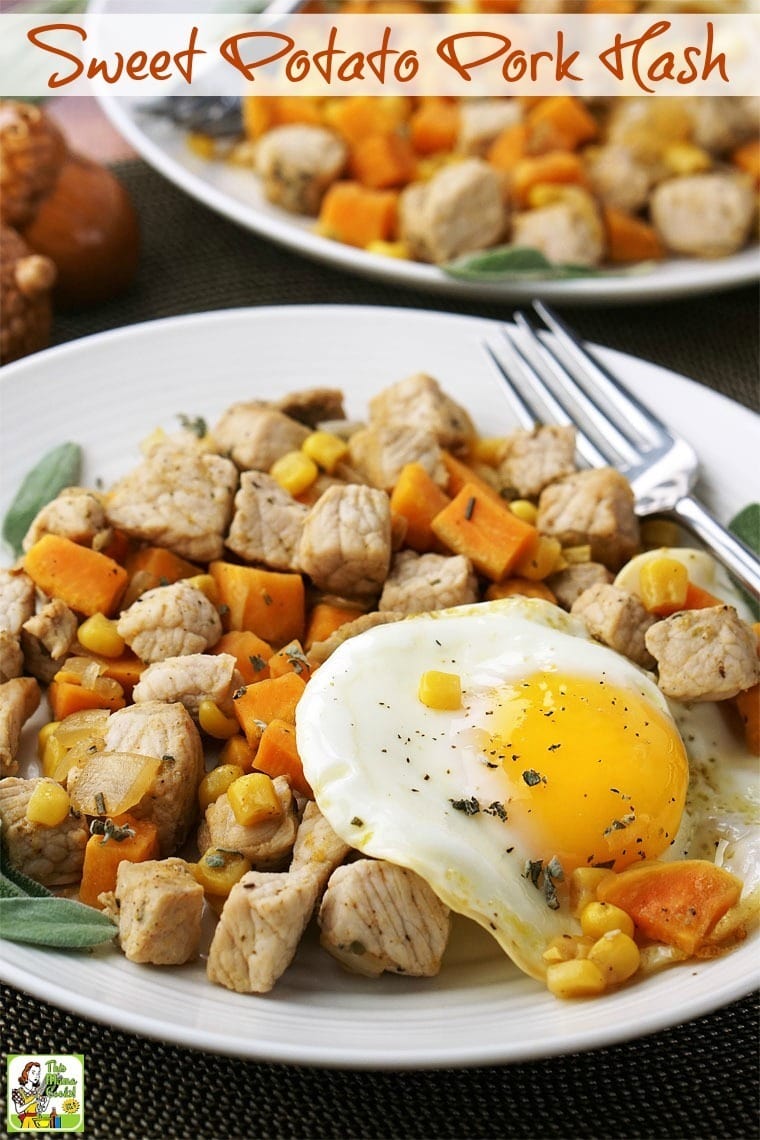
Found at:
(108, 392)
(234, 193)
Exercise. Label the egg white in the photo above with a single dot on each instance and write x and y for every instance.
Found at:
(387, 771)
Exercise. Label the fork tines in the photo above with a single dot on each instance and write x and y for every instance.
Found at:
(554, 378)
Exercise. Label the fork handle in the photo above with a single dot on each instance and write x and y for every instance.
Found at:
(727, 548)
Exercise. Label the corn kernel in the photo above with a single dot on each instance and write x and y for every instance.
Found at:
(294, 471)
(686, 158)
(526, 511)
(546, 194)
(216, 782)
(98, 634)
(44, 735)
(488, 450)
(238, 751)
(598, 918)
(663, 583)
(577, 978)
(326, 449)
(440, 690)
(254, 798)
(218, 870)
(206, 584)
(48, 805)
(214, 722)
(616, 955)
(397, 249)
(584, 882)
(573, 555)
(540, 560)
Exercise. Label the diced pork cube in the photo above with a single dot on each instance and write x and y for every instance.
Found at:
(345, 544)
(177, 498)
(531, 460)
(255, 434)
(267, 523)
(11, 657)
(567, 585)
(704, 655)
(594, 508)
(704, 215)
(620, 177)
(420, 401)
(297, 163)
(618, 619)
(191, 678)
(312, 406)
(418, 583)
(376, 916)
(52, 856)
(169, 621)
(460, 210)
(568, 231)
(47, 639)
(19, 698)
(160, 907)
(16, 600)
(75, 513)
(381, 452)
(267, 844)
(265, 915)
(481, 120)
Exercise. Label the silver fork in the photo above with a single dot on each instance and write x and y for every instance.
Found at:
(555, 379)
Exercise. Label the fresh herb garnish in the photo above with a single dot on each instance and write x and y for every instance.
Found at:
(57, 469)
(31, 913)
(746, 526)
(110, 830)
(506, 262)
(196, 424)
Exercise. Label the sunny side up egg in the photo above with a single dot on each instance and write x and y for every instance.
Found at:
(561, 754)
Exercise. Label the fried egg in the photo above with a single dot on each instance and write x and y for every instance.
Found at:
(561, 754)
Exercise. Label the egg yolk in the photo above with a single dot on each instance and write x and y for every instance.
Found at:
(596, 774)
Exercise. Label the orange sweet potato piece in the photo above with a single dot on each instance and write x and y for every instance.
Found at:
(524, 587)
(272, 699)
(460, 473)
(418, 499)
(358, 116)
(325, 618)
(747, 158)
(699, 599)
(630, 238)
(270, 603)
(290, 659)
(676, 903)
(277, 755)
(560, 166)
(85, 580)
(483, 530)
(508, 147)
(67, 697)
(357, 215)
(249, 650)
(160, 566)
(747, 705)
(383, 161)
(434, 126)
(102, 856)
(559, 122)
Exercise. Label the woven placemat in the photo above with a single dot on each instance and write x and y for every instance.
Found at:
(697, 1080)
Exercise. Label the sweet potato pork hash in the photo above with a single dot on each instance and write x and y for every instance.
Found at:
(587, 183)
(176, 621)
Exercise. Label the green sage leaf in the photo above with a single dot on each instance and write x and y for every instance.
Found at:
(57, 469)
(746, 526)
(63, 923)
(513, 261)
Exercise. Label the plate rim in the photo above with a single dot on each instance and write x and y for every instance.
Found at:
(654, 1018)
